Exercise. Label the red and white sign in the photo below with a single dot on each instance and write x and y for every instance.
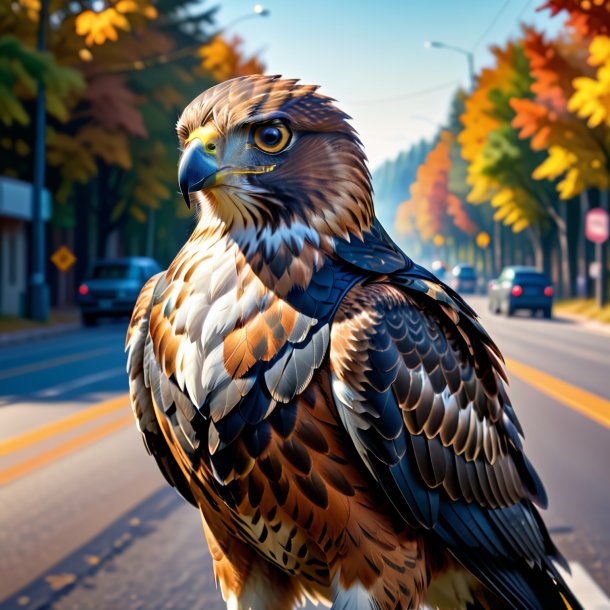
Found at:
(597, 225)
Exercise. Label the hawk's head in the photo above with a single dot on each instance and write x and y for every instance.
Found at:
(263, 153)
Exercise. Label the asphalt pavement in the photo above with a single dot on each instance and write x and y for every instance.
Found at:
(88, 522)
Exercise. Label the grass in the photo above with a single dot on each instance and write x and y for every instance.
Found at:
(587, 308)
(9, 324)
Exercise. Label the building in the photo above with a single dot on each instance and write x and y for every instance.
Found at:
(15, 219)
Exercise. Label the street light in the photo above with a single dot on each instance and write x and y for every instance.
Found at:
(469, 56)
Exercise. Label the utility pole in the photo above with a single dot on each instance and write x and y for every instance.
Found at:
(38, 295)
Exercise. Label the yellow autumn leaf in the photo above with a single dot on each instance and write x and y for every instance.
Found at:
(127, 6)
(482, 187)
(591, 98)
(32, 8)
(599, 51)
(521, 224)
(151, 12)
(559, 161)
(100, 27)
(502, 198)
(571, 185)
(511, 218)
(501, 213)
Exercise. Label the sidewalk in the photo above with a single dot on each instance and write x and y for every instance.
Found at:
(14, 330)
(586, 313)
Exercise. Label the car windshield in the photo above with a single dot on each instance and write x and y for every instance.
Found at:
(531, 278)
(115, 271)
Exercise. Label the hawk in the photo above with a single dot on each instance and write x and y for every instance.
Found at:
(336, 413)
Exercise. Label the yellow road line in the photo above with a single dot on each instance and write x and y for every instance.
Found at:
(47, 364)
(61, 426)
(586, 403)
(582, 401)
(19, 470)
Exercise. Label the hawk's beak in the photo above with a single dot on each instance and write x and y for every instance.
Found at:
(197, 169)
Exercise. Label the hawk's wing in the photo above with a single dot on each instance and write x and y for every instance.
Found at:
(140, 389)
(419, 388)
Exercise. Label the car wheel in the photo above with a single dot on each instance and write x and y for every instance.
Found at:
(547, 313)
(89, 319)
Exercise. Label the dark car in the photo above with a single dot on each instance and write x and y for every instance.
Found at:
(440, 269)
(114, 286)
(464, 279)
(521, 288)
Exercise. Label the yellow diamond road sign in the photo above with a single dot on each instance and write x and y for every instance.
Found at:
(63, 258)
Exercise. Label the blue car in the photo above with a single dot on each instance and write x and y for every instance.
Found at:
(520, 287)
(113, 287)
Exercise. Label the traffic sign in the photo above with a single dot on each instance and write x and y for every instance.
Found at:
(596, 225)
(63, 258)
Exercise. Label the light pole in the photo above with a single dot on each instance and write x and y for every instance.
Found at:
(469, 56)
(38, 293)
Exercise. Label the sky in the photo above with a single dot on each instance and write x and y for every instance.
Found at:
(370, 56)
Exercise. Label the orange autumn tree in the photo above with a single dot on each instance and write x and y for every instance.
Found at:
(589, 17)
(486, 127)
(576, 151)
(119, 73)
(433, 210)
(499, 162)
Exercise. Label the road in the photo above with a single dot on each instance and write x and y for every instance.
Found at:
(87, 521)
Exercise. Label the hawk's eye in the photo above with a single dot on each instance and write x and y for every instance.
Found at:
(272, 137)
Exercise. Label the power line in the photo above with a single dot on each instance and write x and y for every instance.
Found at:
(524, 10)
(491, 25)
(406, 96)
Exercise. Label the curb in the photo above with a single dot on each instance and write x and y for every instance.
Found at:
(35, 334)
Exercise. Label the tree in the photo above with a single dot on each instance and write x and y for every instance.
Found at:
(588, 17)
(122, 72)
(393, 178)
(501, 167)
(433, 211)
(576, 151)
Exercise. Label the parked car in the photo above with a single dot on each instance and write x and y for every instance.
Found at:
(521, 288)
(113, 287)
(464, 279)
(440, 269)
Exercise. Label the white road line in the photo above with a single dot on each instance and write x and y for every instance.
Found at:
(587, 591)
(63, 388)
